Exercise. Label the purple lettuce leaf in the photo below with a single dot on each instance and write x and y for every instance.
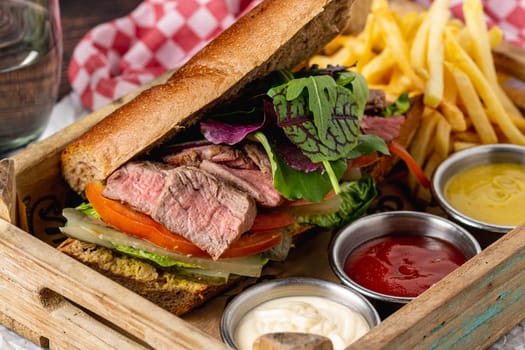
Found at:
(221, 132)
(289, 152)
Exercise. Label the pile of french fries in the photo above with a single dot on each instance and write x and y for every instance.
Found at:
(447, 61)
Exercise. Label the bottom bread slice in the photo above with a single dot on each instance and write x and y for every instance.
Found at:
(164, 288)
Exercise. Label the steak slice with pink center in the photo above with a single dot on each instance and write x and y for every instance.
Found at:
(187, 201)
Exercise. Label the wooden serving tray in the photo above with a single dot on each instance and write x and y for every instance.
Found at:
(59, 303)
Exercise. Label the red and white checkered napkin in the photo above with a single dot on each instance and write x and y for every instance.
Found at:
(116, 57)
(509, 15)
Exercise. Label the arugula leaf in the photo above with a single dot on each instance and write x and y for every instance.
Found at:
(321, 115)
(294, 184)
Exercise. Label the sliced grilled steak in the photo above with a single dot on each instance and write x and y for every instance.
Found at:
(254, 182)
(259, 157)
(386, 128)
(376, 102)
(222, 154)
(247, 169)
(186, 200)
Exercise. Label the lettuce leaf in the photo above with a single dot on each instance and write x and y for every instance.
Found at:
(358, 85)
(399, 107)
(294, 184)
(87, 208)
(325, 129)
(161, 260)
(182, 269)
(369, 144)
(221, 132)
(356, 196)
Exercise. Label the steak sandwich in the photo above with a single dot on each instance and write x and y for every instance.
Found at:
(204, 179)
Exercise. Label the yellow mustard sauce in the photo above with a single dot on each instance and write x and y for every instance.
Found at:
(493, 193)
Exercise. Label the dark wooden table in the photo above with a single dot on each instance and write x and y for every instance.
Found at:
(78, 17)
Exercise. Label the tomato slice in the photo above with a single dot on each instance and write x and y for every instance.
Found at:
(414, 168)
(143, 226)
(272, 221)
(137, 224)
(252, 243)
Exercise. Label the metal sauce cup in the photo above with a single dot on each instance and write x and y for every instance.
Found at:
(486, 233)
(291, 286)
(392, 223)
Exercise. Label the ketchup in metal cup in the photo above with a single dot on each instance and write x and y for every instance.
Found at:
(402, 265)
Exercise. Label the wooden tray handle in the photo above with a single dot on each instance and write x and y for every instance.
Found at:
(50, 289)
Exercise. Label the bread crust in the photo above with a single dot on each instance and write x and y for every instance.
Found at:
(175, 294)
(275, 35)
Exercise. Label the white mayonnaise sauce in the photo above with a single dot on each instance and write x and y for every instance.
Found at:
(308, 314)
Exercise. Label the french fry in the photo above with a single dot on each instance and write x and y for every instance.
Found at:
(473, 105)
(467, 136)
(454, 115)
(394, 41)
(366, 36)
(451, 63)
(450, 93)
(333, 46)
(438, 16)
(485, 90)
(475, 24)
(378, 69)
(399, 83)
(461, 145)
(422, 140)
(419, 47)
(442, 141)
(409, 25)
(430, 166)
(495, 36)
(464, 39)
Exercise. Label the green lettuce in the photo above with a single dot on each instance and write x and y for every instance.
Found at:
(356, 198)
(294, 184)
(161, 260)
(88, 209)
(399, 107)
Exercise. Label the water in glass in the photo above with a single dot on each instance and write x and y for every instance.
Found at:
(30, 62)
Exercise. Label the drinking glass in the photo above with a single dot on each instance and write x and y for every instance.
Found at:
(30, 64)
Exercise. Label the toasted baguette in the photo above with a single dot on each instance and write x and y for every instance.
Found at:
(275, 35)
